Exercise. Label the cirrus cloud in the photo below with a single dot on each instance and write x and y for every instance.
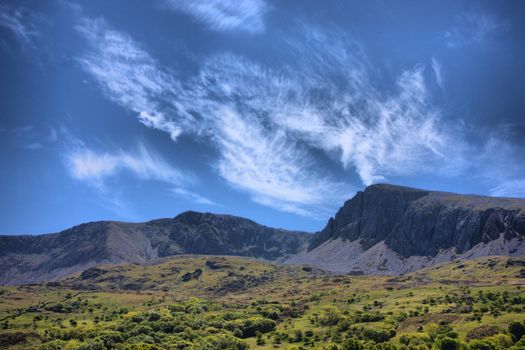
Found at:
(270, 125)
(225, 15)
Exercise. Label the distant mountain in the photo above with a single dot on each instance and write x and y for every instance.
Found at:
(384, 229)
(27, 259)
(390, 229)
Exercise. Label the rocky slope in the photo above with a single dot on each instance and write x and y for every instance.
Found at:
(26, 259)
(391, 230)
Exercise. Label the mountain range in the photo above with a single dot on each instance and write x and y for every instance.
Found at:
(384, 229)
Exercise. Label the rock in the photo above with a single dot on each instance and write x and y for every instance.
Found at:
(92, 273)
(415, 222)
(215, 265)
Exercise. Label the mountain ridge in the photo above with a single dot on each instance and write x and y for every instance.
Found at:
(384, 229)
(27, 259)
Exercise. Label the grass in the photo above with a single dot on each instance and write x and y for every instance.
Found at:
(238, 303)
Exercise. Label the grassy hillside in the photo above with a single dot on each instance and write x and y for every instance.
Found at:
(193, 302)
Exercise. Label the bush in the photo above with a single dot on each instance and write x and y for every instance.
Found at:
(222, 342)
(516, 330)
(352, 344)
(249, 327)
(378, 335)
(447, 343)
(92, 345)
(482, 345)
(329, 316)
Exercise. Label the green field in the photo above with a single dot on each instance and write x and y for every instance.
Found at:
(198, 302)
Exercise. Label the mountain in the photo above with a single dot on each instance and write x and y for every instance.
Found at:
(388, 229)
(27, 259)
(384, 229)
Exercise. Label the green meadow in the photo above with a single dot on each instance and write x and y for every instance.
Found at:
(208, 302)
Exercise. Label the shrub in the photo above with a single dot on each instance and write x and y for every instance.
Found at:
(222, 342)
(297, 336)
(352, 344)
(447, 343)
(249, 327)
(378, 335)
(92, 345)
(329, 316)
(516, 330)
(482, 345)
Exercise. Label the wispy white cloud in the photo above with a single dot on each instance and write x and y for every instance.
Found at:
(437, 68)
(272, 169)
(130, 77)
(87, 165)
(96, 169)
(20, 22)
(271, 126)
(28, 137)
(510, 188)
(225, 15)
(473, 28)
(192, 196)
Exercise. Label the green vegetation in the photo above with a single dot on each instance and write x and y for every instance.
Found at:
(236, 303)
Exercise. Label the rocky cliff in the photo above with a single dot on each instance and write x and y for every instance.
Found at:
(393, 229)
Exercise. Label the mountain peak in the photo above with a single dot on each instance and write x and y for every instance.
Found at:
(412, 221)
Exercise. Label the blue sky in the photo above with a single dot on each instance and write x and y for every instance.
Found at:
(276, 111)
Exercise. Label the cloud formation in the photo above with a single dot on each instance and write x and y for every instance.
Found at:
(271, 125)
(87, 165)
(473, 28)
(268, 166)
(129, 76)
(511, 188)
(97, 168)
(225, 15)
(20, 21)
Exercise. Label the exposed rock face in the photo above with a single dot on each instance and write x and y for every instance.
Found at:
(391, 229)
(27, 259)
(418, 222)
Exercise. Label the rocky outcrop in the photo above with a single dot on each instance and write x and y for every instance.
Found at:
(390, 229)
(418, 222)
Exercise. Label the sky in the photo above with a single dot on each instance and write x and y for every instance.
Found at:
(278, 111)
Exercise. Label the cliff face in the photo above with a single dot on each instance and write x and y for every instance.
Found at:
(394, 230)
(26, 259)
(417, 222)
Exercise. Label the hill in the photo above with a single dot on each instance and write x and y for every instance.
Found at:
(26, 259)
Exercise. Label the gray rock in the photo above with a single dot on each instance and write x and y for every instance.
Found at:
(418, 222)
